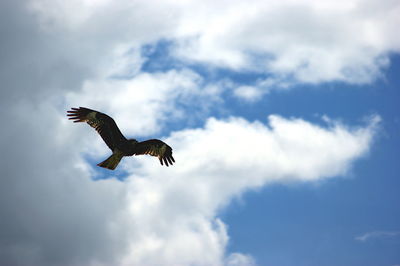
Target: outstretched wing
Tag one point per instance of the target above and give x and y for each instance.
(104, 125)
(155, 147)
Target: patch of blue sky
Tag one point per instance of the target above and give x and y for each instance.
(158, 57)
(339, 100)
(316, 224)
(307, 225)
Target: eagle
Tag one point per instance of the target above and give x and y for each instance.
(118, 144)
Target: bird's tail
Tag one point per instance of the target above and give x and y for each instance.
(112, 161)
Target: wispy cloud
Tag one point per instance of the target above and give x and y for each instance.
(377, 234)
(248, 93)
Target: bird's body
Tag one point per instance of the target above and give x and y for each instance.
(116, 141)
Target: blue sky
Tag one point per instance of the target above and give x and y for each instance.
(318, 224)
(283, 118)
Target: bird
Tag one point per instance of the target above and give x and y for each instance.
(116, 141)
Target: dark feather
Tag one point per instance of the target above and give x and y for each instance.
(157, 148)
(104, 125)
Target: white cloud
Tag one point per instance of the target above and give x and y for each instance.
(54, 214)
(237, 259)
(303, 40)
(158, 215)
(309, 41)
(261, 87)
(248, 93)
(377, 234)
(216, 164)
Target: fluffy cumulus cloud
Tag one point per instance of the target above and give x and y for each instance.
(157, 215)
(215, 164)
(217, 159)
(305, 40)
(58, 54)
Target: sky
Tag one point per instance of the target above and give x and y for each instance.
(283, 117)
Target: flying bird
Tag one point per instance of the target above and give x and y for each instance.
(119, 145)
